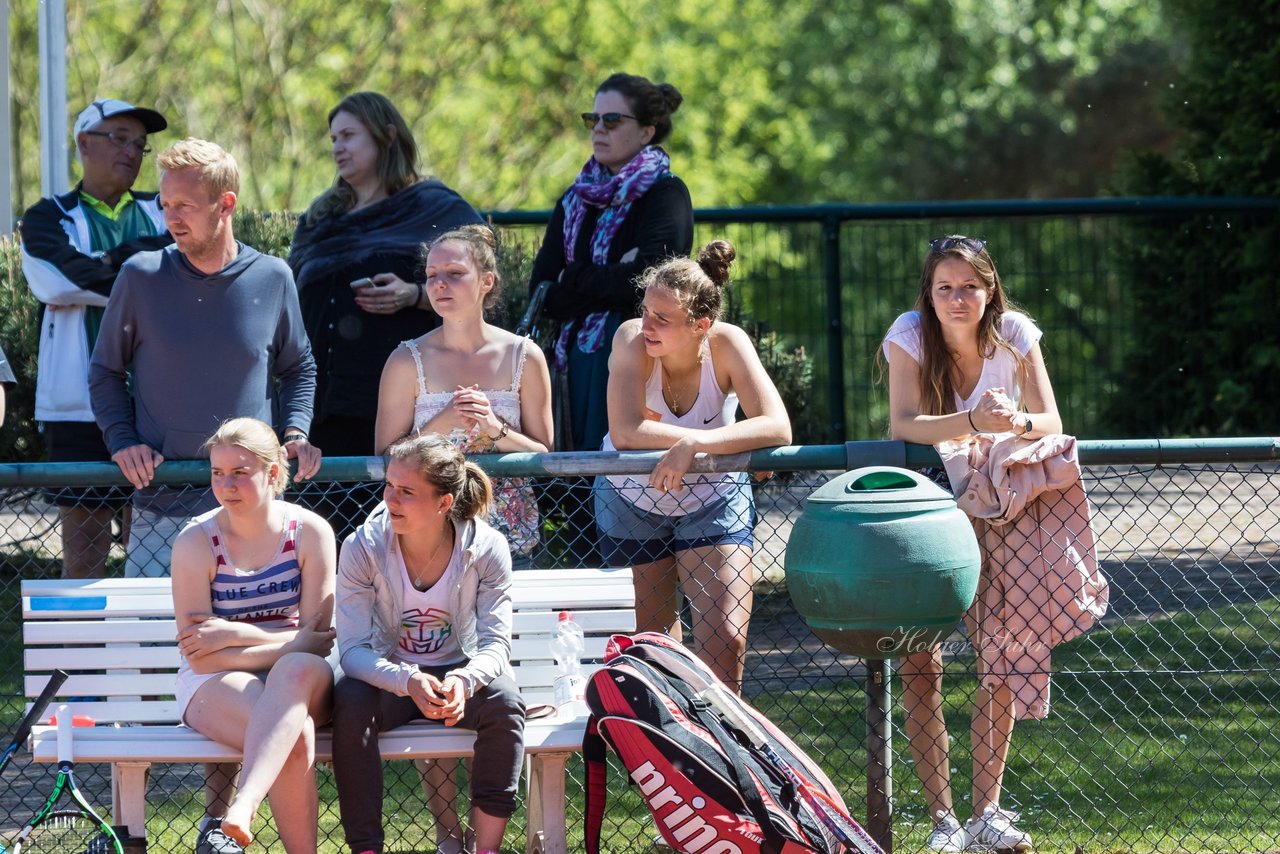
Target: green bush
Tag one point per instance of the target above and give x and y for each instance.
(790, 368)
(1208, 363)
(268, 232)
(20, 332)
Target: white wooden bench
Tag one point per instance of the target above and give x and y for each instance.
(115, 637)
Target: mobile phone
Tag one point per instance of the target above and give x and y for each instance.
(366, 282)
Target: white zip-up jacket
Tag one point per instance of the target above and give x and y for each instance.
(66, 278)
(370, 604)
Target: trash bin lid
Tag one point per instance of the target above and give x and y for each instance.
(882, 489)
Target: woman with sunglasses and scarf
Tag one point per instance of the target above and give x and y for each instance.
(624, 213)
(963, 362)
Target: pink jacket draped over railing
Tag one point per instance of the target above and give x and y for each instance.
(1040, 582)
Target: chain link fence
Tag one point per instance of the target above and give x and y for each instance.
(1164, 733)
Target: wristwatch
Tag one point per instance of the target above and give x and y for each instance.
(295, 436)
(1026, 426)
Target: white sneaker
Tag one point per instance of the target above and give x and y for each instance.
(948, 835)
(994, 830)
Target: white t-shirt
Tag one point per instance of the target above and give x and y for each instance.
(1000, 371)
(427, 636)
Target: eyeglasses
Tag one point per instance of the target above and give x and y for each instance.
(138, 145)
(945, 244)
(611, 120)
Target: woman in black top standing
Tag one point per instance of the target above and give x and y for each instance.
(624, 213)
(357, 259)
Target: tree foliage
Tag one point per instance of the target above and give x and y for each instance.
(849, 100)
(1208, 362)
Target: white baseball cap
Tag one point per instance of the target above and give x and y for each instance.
(97, 112)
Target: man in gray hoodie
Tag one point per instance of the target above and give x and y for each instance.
(208, 328)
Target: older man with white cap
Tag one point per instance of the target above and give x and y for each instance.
(72, 248)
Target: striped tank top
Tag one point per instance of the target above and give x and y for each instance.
(270, 593)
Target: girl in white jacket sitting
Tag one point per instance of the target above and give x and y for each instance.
(424, 628)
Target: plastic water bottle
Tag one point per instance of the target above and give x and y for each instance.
(568, 645)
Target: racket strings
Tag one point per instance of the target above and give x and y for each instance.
(65, 832)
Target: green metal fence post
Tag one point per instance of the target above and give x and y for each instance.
(879, 755)
(835, 325)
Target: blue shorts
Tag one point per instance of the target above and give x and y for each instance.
(629, 536)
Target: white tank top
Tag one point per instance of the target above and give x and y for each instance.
(712, 408)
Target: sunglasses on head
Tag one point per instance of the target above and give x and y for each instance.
(945, 244)
(611, 120)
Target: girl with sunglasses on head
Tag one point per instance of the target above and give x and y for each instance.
(963, 362)
(625, 212)
(676, 379)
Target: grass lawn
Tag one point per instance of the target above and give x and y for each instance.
(1166, 759)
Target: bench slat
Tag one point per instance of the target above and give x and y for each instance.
(536, 624)
(180, 744)
(130, 657)
(610, 620)
(158, 587)
(99, 631)
(167, 657)
(120, 710)
(77, 607)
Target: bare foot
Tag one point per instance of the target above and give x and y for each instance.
(237, 827)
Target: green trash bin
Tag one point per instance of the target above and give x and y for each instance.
(882, 563)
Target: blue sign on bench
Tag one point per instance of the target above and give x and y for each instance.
(68, 603)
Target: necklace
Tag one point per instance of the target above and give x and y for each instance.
(418, 583)
(673, 400)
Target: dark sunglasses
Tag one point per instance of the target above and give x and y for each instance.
(945, 244)
(611, 120)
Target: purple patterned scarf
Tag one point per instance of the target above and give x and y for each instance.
(598, 187)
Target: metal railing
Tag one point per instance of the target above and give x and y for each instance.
(1165, 730)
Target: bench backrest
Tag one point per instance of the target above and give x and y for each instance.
(115, 637)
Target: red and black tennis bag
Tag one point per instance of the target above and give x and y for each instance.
(708, 792)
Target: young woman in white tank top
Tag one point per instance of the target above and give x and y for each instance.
(485, 390)
(676, 377)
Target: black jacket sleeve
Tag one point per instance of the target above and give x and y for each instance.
(549, 262)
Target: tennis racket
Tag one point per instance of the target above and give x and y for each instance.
(75, 829)
(37, 710)
(839, 822)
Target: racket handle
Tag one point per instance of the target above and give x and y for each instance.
(727, 706)
(63, 715)
(37, 708)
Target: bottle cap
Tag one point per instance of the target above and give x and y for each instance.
(565, 616)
